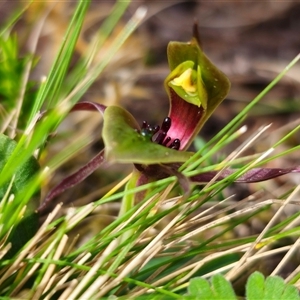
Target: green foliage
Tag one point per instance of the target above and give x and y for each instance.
(55, 86)
(273, 287)
(23, 231)
(11, 69)
(50, 90)
(25, 227)
(219, 288)
(24, 173)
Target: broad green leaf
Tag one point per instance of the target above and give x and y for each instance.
(272, 287)
(124, 143)
(255, 286)
(200, 288)
(26, 228)
(222, 287)
(22, 233)
(290, 292)
(24, 172)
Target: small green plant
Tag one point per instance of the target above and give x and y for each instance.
(272, 287)
(258, 287)
(217, 289)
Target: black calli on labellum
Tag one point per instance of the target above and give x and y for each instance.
(158, 134)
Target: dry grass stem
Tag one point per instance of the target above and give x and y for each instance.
(69, 271)
(67, 292)
(30, 246)
(7, 120)
(74, 217)
(249, 260)
(286, 258)
(50, 271)
(224, 220)
(92, 272)
(238, 268)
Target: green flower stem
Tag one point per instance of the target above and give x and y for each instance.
(128, 202)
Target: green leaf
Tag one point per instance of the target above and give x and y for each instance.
(124, 143)
(23, 173)
(274, 287)
(222, 287)
(271, 288)
(219, 289)
(11, 70)
(27, 226)
(255, 286)
(22, 233)
(200, 288)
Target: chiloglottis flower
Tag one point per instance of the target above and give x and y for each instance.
(195, 87)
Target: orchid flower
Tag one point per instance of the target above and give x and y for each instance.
(195, 88)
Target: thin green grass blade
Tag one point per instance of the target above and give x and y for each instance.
(14, 18)
(81, 68)
(95, 71)
(51, 88)
(255, 100)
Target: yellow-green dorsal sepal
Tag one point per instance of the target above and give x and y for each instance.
(211, 84)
